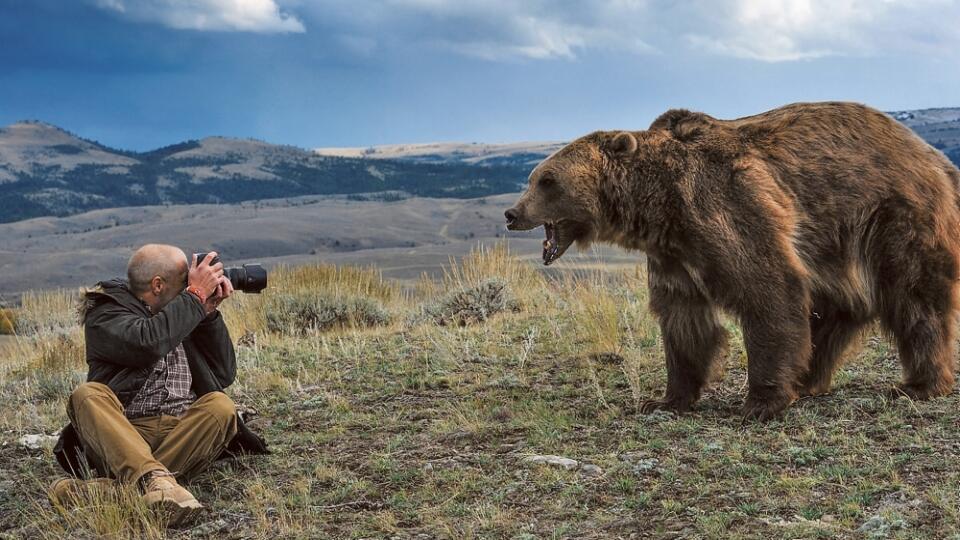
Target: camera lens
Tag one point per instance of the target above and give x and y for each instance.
(249, 278)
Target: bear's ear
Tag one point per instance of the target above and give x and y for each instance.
(622, 143)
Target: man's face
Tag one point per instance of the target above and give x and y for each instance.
(170, 289)
(178, 285)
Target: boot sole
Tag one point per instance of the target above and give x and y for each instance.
(177, 514)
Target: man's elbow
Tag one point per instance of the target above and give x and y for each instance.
(230, 371)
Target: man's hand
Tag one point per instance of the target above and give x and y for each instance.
(224, 290)
(205, 277)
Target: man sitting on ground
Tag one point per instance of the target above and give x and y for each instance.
(152, 411)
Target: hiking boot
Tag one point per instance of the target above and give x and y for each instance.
(72, 492)
(161, 491)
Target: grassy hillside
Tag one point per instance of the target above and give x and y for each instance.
(47, 171)
(402, 238)
(418, 412)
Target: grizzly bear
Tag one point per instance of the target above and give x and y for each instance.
(806, 223)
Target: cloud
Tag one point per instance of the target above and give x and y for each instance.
(777, 30)
(261, 16)
(566, 30)
(493, 30)
(532, 38)
(787, 30)
(762, 30)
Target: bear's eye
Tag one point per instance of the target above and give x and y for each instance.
(547, 181)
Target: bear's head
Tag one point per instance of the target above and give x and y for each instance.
(563, 191)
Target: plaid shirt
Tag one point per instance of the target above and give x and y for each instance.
(167, 389)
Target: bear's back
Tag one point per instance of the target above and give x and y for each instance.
(844, 148)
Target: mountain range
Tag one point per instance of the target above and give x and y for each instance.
(524, 154)
(48, 171)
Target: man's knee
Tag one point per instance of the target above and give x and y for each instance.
(88, 390)
(221, 407)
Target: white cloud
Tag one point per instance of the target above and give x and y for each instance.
(763, 30)
(538, 39)
(263, 16)
(493, 29)
(116, 5)
(785, 30)
(496, 30)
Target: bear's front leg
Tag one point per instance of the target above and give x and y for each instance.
(693, 337)
(777, 340)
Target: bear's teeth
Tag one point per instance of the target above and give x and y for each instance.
(550, 246)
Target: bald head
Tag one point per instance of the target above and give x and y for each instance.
(156, 260)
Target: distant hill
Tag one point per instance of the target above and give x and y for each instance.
(939, 127)
(48, 171)
(526, 154)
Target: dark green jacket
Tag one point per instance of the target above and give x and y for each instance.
(124, 340)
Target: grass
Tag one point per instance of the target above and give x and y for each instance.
(412, 429)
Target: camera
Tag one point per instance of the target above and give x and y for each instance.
(249, 278)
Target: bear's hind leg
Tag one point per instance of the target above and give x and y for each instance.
(831, 332)
(924, 339)
(693, 338)
(918, 306)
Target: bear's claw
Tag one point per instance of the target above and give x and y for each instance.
(677, 406)
(764, 410)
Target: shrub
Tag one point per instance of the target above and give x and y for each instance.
(472, 305)
(312, 312)
(336, 284)
(56, 386)
(483, 264)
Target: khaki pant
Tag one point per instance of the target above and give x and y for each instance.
(128, 449)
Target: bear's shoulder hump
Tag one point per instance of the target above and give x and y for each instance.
(681, 123)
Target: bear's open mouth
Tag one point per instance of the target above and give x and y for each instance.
(554, 245)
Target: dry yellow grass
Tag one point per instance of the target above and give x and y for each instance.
(53, 310)
(485, 263)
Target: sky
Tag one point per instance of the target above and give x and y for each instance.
(140, 74)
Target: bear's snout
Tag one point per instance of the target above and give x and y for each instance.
(512, 215)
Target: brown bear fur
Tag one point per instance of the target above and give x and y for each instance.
(806, 222)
